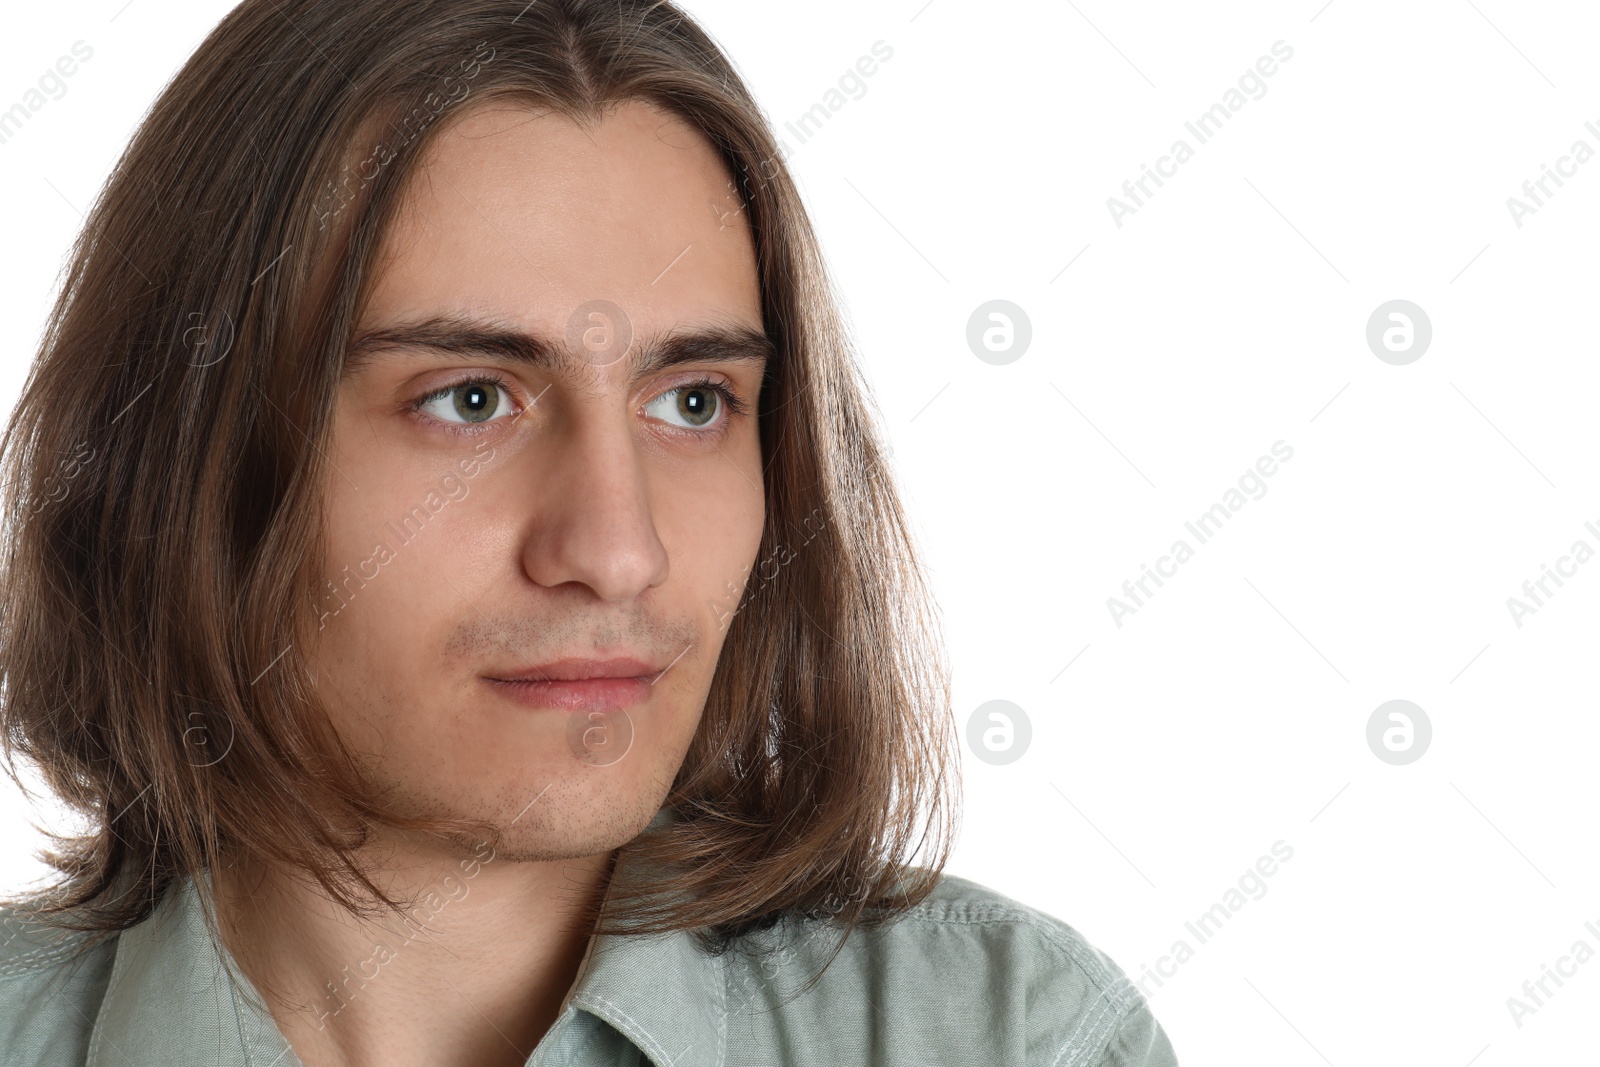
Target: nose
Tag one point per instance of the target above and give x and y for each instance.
(592, 521)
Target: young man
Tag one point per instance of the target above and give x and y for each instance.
(475, 616)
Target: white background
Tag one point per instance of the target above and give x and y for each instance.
(1228, 313)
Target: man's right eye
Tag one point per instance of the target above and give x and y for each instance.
(467, 402)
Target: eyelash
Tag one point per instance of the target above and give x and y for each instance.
(725, 396)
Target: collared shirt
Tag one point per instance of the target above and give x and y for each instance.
(966, 977)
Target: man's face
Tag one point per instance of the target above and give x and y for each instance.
(477, 531)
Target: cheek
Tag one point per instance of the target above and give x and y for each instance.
(395, 537)
(354, 535)
(712, 532)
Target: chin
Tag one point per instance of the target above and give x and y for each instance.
(590, 810)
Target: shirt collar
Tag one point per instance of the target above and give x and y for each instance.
(663, 993)
(170, 999)
(176, 997)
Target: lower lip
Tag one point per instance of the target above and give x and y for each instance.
(590, 694)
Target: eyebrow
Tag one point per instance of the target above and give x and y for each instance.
(467, 338)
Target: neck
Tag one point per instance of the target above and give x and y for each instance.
(473, 973)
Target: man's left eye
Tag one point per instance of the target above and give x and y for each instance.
(698, 404)
(467, 402)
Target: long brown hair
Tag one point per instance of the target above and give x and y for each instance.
(164, 469)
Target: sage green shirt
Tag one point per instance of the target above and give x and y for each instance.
(968, 977)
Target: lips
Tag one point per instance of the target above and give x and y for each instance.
(577, 670)
(579, 685)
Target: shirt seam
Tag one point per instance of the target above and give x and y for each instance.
(238, 1015)
(639, 1034)
(113, 983)
(1092, 1044)
(1077, 950)
(33, 962)
(39, 957)
(1094, 1030)
(722, 1013)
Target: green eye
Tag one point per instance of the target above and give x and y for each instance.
(474, 401)
(696, 404)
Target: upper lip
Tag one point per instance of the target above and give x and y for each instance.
(574, 669)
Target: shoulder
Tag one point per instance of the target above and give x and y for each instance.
(51, 983)
(1080, 1002)
(975, 971)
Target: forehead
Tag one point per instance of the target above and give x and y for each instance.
(527, 215)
